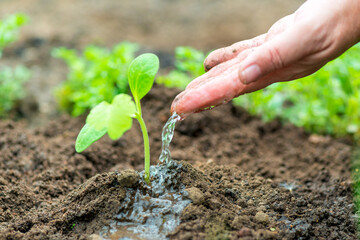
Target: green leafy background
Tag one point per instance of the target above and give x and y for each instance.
(99, 74)
(11, 79)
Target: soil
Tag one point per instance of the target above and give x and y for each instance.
(251, 180)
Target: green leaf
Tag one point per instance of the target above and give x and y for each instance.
(115, 118)
(141, 74)
(122, 111)
(87, 136)
(98, 117)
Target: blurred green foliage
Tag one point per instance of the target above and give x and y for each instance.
(11, 80)
(188, 65)
(325, 102)
(9, 29)
(97, 75)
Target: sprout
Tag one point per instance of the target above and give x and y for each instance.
(116, 118)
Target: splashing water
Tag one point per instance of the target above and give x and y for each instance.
(167, 136)
(152, 212)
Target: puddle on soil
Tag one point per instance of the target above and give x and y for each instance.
(151, 212)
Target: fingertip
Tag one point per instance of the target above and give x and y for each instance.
(175, 103)
(216, 57)
(207, 67)
(250, 74)
(209, 62)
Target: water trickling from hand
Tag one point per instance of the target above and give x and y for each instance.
(167, 136)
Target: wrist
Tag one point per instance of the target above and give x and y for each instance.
(345, 25)
(352, 16)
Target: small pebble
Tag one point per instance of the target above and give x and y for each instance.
(128, 178)
(94, 237)
(244, 232)
(196, 196)
(250, 202)
(262, 217)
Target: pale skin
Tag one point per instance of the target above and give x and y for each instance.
(294, 47)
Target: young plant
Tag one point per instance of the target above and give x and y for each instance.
(115, 118)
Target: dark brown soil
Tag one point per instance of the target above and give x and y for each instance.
(239, 165)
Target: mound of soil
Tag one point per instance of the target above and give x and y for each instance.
(247, 179)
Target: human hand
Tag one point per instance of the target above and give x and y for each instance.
(295, 46)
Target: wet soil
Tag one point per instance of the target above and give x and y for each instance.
(247, 179)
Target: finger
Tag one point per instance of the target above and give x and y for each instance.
(224, 54)
(287, 74)
(223, 88)
(275, 54)
(219, 90)
(280, 26)
(223, 68)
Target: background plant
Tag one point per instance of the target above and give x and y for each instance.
(188, 65)
(11, 79)
(9, 29)
(97, 75)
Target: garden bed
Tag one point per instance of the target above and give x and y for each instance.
(251, 179)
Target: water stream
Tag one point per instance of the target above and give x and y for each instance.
(166, 137)
(151, 212)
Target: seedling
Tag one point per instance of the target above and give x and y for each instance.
(116, 118)
(72, 226)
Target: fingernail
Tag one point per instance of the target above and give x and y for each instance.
(207, 67)
(176, 102)
(250, 74)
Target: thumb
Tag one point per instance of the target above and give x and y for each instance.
(273, 55)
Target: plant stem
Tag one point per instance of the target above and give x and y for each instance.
(146, 143)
